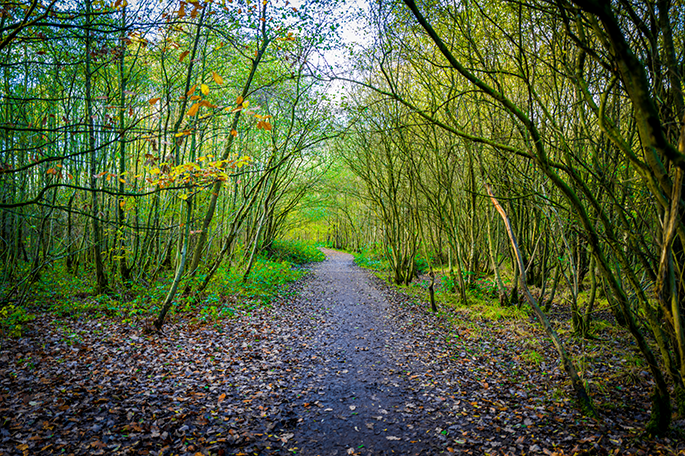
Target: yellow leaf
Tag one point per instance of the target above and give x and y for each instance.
(193, 109)
(183, 196)
(195, 97)
(218, 79)
(122, 203)
(234, 133)
(191, 91)
(246, 103)
(239, 101)
(204, 88)
(122, 180)
(153, 101)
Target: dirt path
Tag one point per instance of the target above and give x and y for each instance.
(364, 404)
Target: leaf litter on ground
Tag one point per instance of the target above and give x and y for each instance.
(351, 366)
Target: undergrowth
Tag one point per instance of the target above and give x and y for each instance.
(481, 294)
(66, 295)
(296, 252)
(371, 258)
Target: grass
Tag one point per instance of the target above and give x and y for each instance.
(481, 296)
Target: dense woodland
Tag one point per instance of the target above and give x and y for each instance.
(154, 152)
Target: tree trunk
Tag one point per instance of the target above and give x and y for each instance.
(102, 285)
(583, 398)
(168, 301)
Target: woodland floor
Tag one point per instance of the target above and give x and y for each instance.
(348, 367)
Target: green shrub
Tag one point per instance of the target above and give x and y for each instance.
(371, 258)
(421, 265)
(13, 320)
(266, 281)
(295, 252)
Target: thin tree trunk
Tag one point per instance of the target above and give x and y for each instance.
(216, 188)
(583, 398)
(120, 239)
(168, 301)
(102, 285)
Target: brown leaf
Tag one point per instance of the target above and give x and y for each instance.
(218, 79)
(193, 109)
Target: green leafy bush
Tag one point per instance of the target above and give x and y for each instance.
(371, 258)
(295, 252)
(266, 281)
(421, 265)
(13, 320)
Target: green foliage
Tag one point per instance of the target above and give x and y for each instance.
(296, 252)
(481, 287)
(57, 284)
(371, 257)
(267, 280)
(532, 357)
(66, 296)
(421, 265)
(482, 301)
(213, 310)
(13, 320)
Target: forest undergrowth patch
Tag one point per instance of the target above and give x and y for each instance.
(71, 295)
